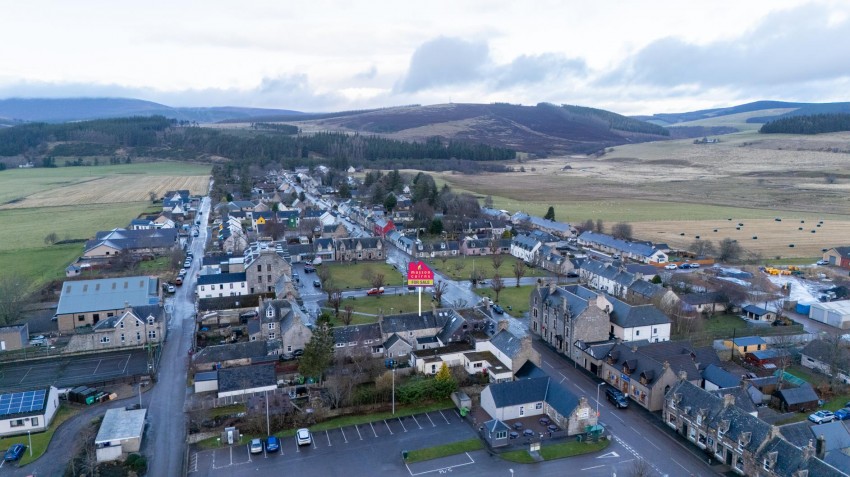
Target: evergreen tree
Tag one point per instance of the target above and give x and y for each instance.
(550, 214)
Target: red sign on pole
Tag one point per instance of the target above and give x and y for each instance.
(419, 275)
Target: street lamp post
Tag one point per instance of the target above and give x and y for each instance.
(268, 427)
(393, 389)
(29, 436)
(597, 398)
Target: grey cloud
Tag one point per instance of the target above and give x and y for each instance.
(787, 47)
(528, 69)
(445, 61)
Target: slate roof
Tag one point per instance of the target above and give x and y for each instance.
(648, 360)
(246, 377)
(219, 278)
(529, 370)
(700, 298)
(790, 459)
(359, 333)
(720, 377)
(229, 302)
(351, 243)
(631, 316)
(138, 312)
(507, 343)
(455, 323)
(576, 297)
(843, 251)
(531, 390)
(228, 352)
(525, 242)
(122, 239)
(413, 322)
(799, 395)
(609, 272)
(394, 340)
(756, 310)
(837, 436)
(206, 376)
(496, 425)
(742, 397)
(646, 289)
(822, 351)
(107, 294)
(749, 341)
(634, 248)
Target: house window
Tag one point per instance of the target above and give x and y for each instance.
(81, 317)
(202, 288)
(352, 343)
(655, 331)
(231, 286)
(340, 345)
(272, 336)
(122, 337)
(34, 421)
(96, 316)
(288, 348)
(259, 268)
(16, 423)
(502, 435)
(766, 464)
(538, 405)
(477, 365)
(259, 279)
(138, 336)
(121, 325)
(104, 339)
(271, 326)
(637, 332)
(137, 323)
(110, 314)
(269, 278)
(152, 334)
(150, 320)
(522, 410)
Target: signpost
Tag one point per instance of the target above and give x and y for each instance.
(420, 276)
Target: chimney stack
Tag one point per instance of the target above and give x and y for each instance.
(551, 288)
(728, 400)
(503, 325)
(820, 447)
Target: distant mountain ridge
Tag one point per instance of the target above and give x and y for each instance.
(15, 110)
(799, 109)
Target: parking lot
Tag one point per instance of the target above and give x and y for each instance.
(366, 449)
(73, 371)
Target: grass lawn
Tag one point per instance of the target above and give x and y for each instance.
(444, 450)
(40, 440)
(391, 304)
(227, 410)
(482, 265)
(350, 276)
(152, 267)
(556, 451)
(40, 265)
(724, 323)
(510, 296)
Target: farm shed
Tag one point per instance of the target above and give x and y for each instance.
(120, 433)
(836, 313)
(799, 399)
(838, 256)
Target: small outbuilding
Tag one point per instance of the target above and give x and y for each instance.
(206, 381)
(752, 312)
(836, 313)
(246, 380)
(120, 434)
(496, 433)
(799, 399)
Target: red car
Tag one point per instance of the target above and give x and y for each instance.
(376, 291)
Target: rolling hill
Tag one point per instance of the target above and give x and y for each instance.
(757, 112)
(15, 110)
(542, 129)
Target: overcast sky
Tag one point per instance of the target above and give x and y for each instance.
(632, 57)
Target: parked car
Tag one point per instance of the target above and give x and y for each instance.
(256, 446)
(822, 417)
(822, 262)
(38, 341)
(309, 269)
(376, 291)
(302, 437)
(695, 265)
(498, 309)
(842, 414)
(317, 283)
(670, 266)
(272, 444)
(170, 288)
(178, 281)
(298, 352)
(15, 452)
(617, 398)
(684, 266)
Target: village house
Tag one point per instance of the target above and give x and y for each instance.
(606, 277)
(736, 438)
(358, 340)
(27, 411)
(84, 303)
(838, 257)
(283, 322)
(138, 243)
(638, 251)
(525, 248)
(267, 271)
(563, 316)
(638, 322)
(355, 249)
(221, 284)
(134, 327)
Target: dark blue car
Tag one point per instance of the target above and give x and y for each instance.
(842, 414)
(272, 444)
(15, 452)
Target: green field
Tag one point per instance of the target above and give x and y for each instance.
(351, 276)
(391, 304)
(482, 265)
(514, 300)
(69, 208)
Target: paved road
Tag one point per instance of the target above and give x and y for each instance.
(165, 443)
(634, 428)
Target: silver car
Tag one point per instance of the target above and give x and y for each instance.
(302, 436)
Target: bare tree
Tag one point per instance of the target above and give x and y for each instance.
(443, 260)
(347, 315)
(439, 289)
(152, 196)
(334, 297)
(51, 238)
(599, 227)
(786, 345)
(368, 273)
(459, 265)
(497, 259)
(14, 295)
(622, 230)
(702, 248)
(377, 280)
(729, 250)
(586, 226)
(519, 270)
(497, 285)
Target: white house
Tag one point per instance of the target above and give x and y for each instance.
(641, 322)
(27, 411)
(222, 284)
(525, 248)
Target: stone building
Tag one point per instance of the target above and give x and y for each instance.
(563, 316)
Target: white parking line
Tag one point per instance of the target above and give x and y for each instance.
(98, 365)
(358, 432)
(328, 435)
(402, 424)
(442, 470)
(432, 422)
(297, 447)
(417, 422)
(444, 417)
(388, 427)
(343, 435)
(373, 429)
(458, 415)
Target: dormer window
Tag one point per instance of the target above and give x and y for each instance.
(270, 312)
